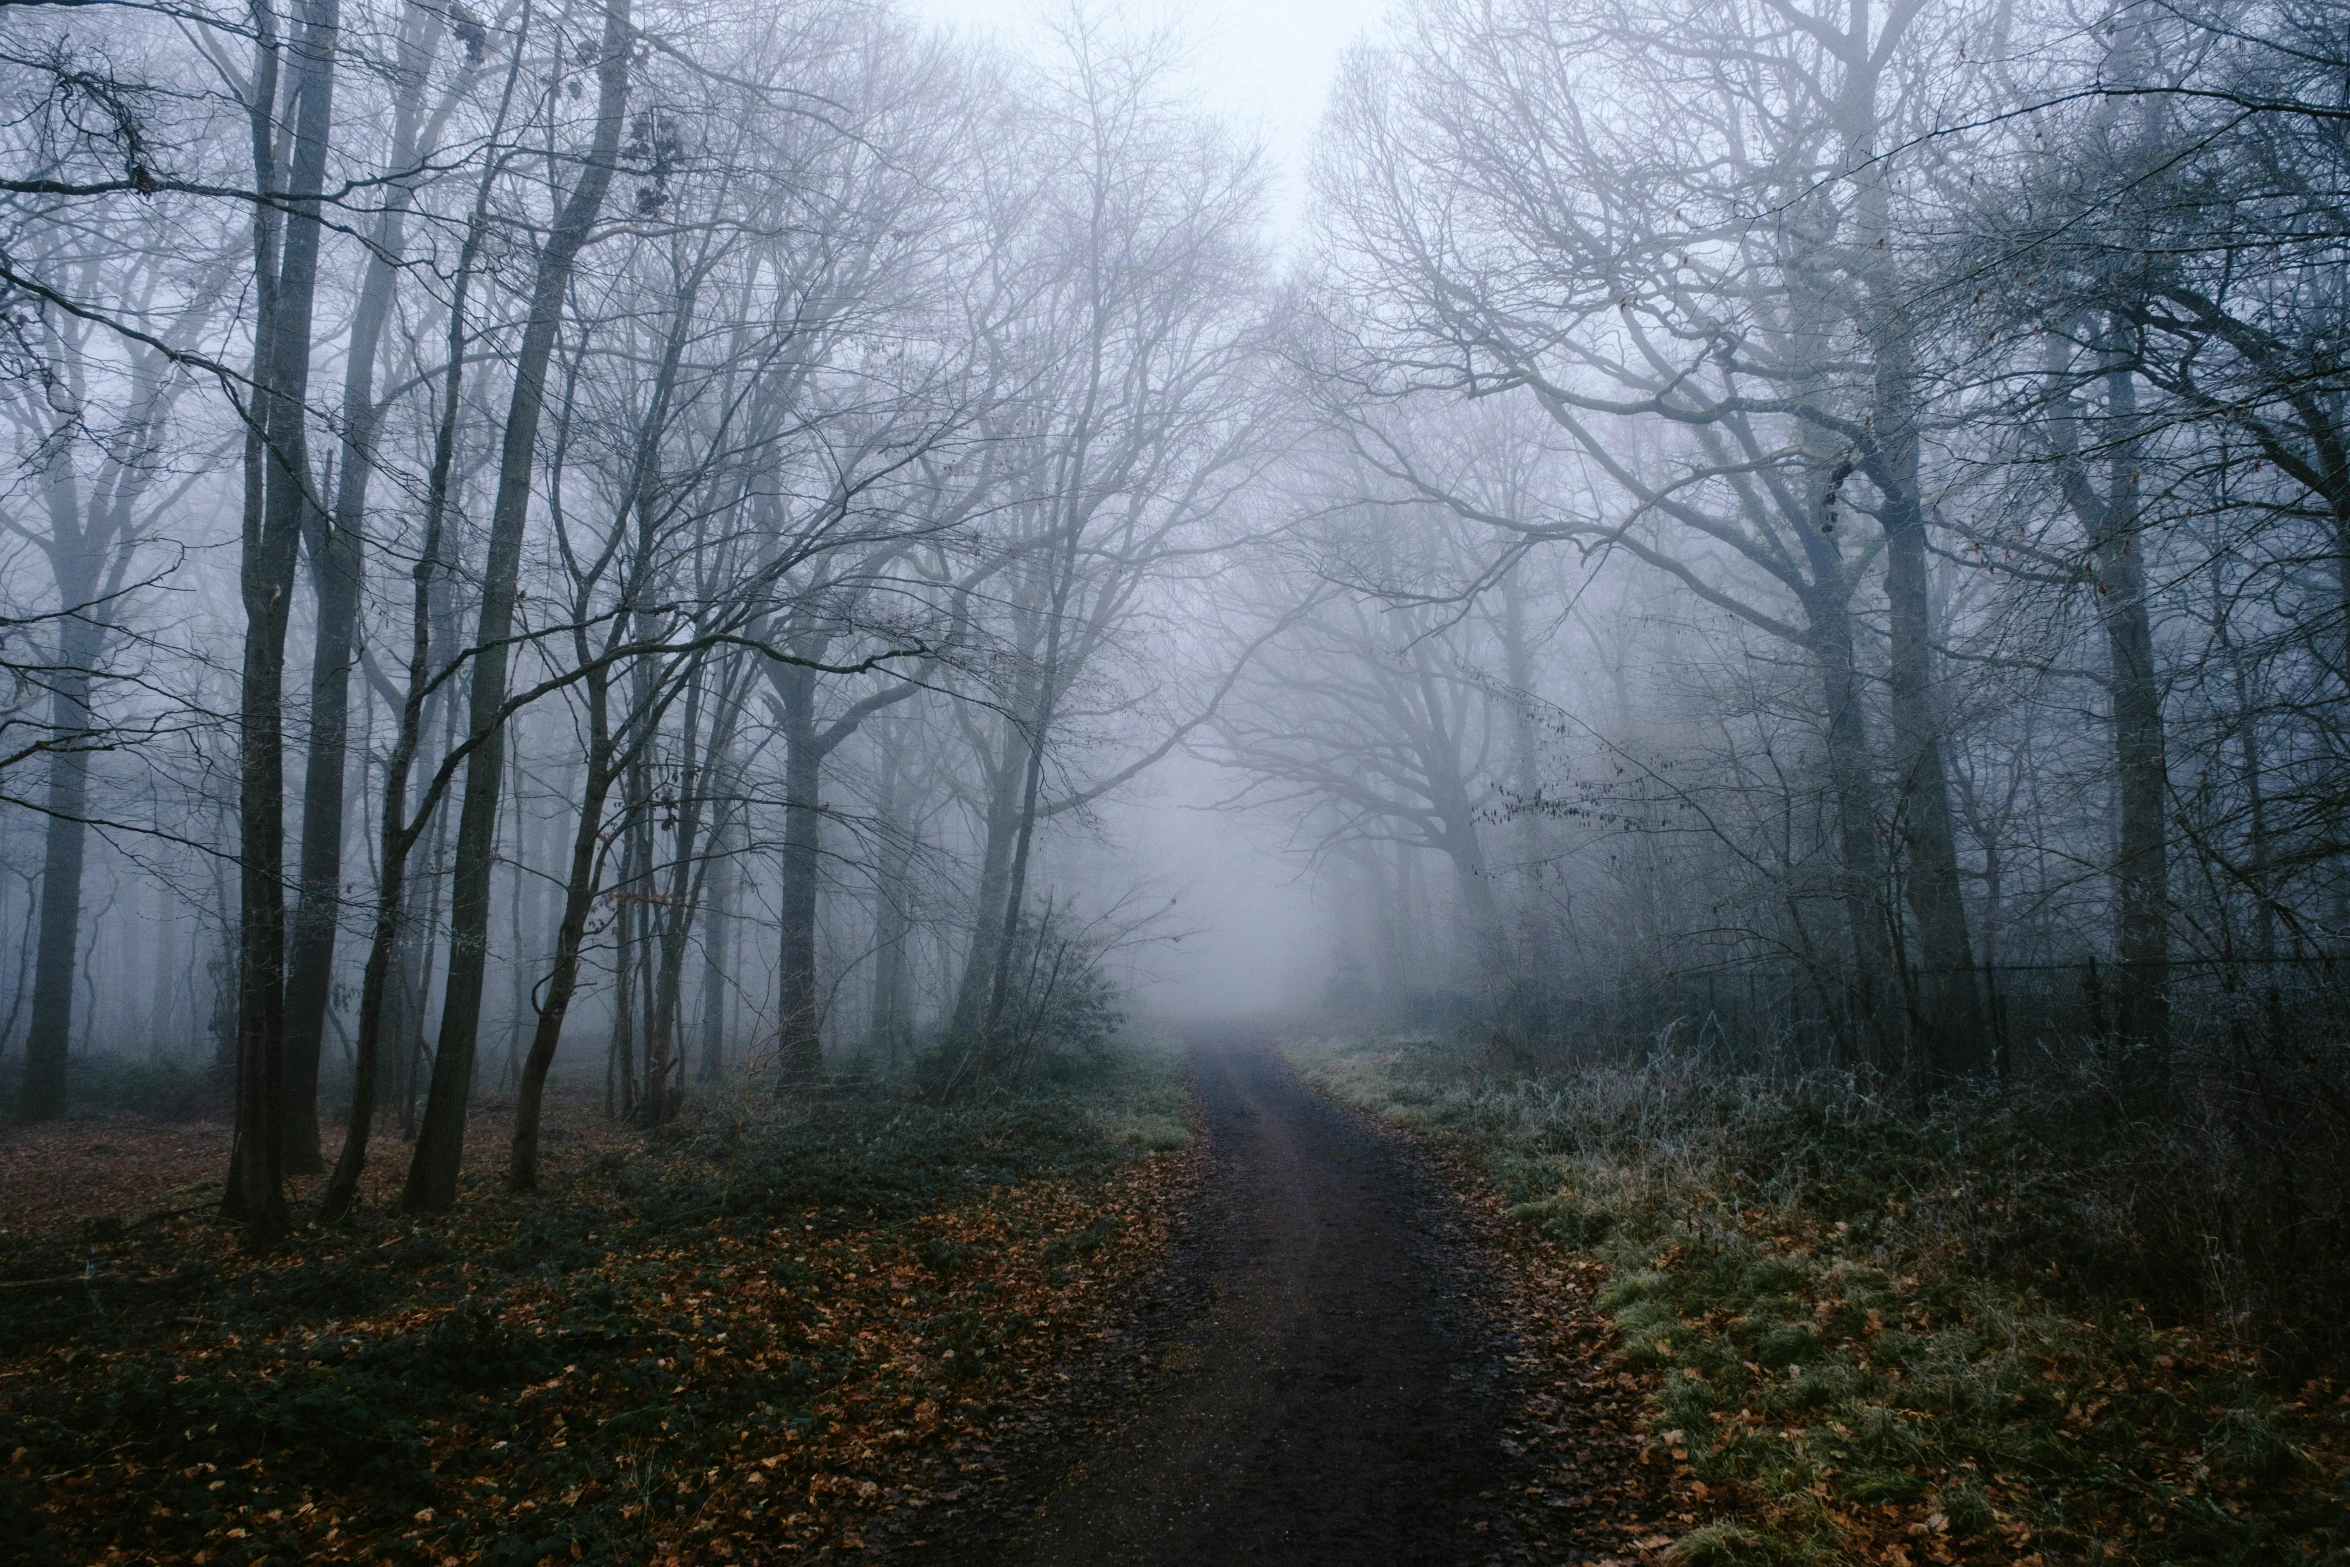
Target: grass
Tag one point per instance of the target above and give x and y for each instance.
(1874, 1335)
(742, 1337)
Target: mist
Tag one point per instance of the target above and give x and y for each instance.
(579, 577)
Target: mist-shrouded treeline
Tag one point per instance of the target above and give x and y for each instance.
(1854, 497)
(585, 521)
(642, 542)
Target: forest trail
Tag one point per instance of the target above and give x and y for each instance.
(1339, 1398)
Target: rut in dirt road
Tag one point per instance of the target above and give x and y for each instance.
(1340, 1398)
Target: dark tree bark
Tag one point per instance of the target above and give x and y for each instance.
(1004, 772)
(395, 923)
(800, 1043)
(723, 775)
(311, 937)
(440, 1144)
(337, 553)
(712, 710)
(94, 532)
(1536, 949)
(806, 745)
(1845, 742)
(984, 1048)
(717, 935)
(2111, 520)
(887, 1020)
(255, 1188)
(670, 918)
(579, 898)
(519, 928)
(2141, 766)
(620, 1082)
(49, 1032)
(1949, 1023)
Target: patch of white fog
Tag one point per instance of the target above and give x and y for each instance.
(1265, 67)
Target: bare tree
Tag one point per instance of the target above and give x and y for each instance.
(440, 1142)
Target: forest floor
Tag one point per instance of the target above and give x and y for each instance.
(1373, 1302)
(1166, 1314)
(763, 1338)
(1851, 1338)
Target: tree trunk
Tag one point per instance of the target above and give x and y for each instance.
(338, 558)
(1463, 846)
(1537, 959)
(579, 901)
(395, 921)
(687, 876)
(717, 930)
(311, 940)
(886, 1020)
(49, 1033)
(255, 1187)
(440, 1146)
(628, 935)
(1860, 852)
(664, 1042)
(620, 1060)
(986, 1049)
(800, 1043)
(1951, 1014)
(519, 925)
(1475, 880)
(995, 874)
(2141, 871)
(1047, 680)
(2111, 521)
(1949, 1019)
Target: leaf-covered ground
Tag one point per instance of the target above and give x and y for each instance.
(740, 1342)
(1832, 1367)
(1590, 1493)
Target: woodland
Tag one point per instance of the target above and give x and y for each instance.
(591, 591)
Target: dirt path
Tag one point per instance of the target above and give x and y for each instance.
(1339, 1397)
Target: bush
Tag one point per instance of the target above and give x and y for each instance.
(1061, 1019)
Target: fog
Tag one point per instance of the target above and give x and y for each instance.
(1264, 69)
(621, 552)
(1253, 940)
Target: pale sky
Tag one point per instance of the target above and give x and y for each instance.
(1267, 65)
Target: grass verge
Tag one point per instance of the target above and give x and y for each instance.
(1861, 1341)
(738, 1341)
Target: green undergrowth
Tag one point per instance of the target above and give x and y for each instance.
(577, 1374)
(1882, 1335)
(875, 1154)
